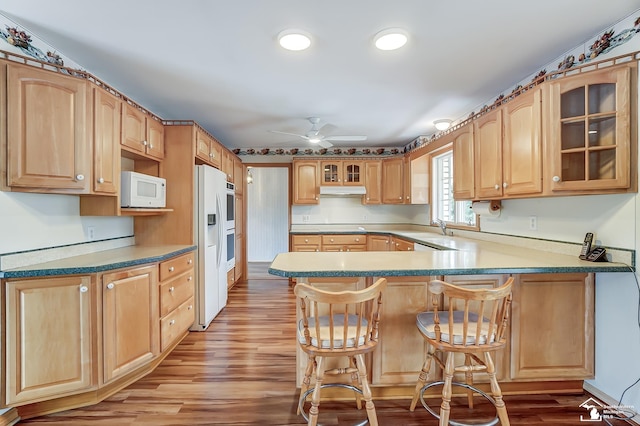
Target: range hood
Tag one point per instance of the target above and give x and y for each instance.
(343, 190)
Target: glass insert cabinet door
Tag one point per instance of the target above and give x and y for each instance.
(590, 130)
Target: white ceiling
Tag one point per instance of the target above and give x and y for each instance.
(217, 61)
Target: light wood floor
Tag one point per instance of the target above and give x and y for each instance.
(240, 372)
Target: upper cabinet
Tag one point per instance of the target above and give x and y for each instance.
(238, 175)
(106, 142)
(373, 182)
(227, 164)
(487, 135)
(306, 182)
(590, 130)
(48, 142)
(142, 134)
(416, 174)
(393, 181)
(208, 149)
(463, 163)
(342, 172)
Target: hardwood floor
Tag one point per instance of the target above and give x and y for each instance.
(241, 372)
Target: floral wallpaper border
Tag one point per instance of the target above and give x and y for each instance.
(22, 43)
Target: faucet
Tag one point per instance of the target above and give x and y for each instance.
(442, 224)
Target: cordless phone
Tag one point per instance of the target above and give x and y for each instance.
(586, 246)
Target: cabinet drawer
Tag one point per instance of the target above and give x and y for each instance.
(175, 291)
(172, 267)
(176, 323)
(344, 239)
(306, 240)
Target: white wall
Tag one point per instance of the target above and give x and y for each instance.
(33, 221)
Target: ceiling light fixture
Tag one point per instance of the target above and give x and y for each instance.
(391, 39)
(294, 39)
(442, 124)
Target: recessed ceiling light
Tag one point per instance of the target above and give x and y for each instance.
(442, 124)
(391, 39)
(294, 39)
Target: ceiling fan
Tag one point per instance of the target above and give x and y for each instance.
(314, 135)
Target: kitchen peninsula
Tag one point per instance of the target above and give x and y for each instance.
(551, 338)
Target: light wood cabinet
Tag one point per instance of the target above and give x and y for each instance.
(48, 142)
(106, 142)
(402, 349)
(342, 172)
(344, 242)
(130, 320)
(399, 244)
(378, 242)
(372, 182)
(393, 181)
(306, 242)
(227, 164)
(590, 130)
(176, 290)
(463, 163)
(417, 179)
(50, 337)
(207, 149)
(306, 182)
(552, 326)
(487, 135)
(141, 133)
(238, 175)
(239, 266)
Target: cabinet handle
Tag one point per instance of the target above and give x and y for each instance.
(171, 289)
(306, 240)
(79, 177)
(357, 240)
(172, 322)
(211, 155)
(101, 180)
(316, 198)
(150, 146)
(190, 278)
(497, 186)
(84, 289)
(110, 286)
(317, 249)
(190, 307)
(556, 179)
(367, 198)
(171, 268)
(505, 184)
(189, 262)
(331, 240)
(145, 143)
(399, 198)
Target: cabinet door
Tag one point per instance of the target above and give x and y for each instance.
(47, 130)
(418, 179)
(398, 244)
(590, 130)
(215, 151)
(238, 175)
(353, 173)
(134, 129)
(155, 139)
(373, 182)
(203, 144)
(463, 163)
(522, 150)
(227, 164)
(306, 242)
(403, 299)
(239, 217)
(49, 340)
(393, 181)
(106, 142)
(306, 182)
(331, 172)
(378, 242)
(487, 134)
(552, 327)
(130, 320)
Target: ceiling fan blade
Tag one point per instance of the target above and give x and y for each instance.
(290, 134)
(323, 143)
(346, 138)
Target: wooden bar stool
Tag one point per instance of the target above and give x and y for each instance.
(473, 322)
(338, 324)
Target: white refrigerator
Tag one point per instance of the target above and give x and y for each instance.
(211, 260)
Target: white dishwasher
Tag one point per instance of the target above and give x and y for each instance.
(422, 247)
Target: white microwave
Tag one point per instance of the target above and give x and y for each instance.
(140, 190)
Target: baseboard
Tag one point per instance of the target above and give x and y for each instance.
(9, 417)
(612, 402)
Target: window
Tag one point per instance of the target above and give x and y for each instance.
(443, 206)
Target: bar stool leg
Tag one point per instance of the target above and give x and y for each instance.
(422, 378)
(355, 380)
(468, 376)
(366, 391)
(495, 390)
(315, 397)
(306, 381)
(445, 408)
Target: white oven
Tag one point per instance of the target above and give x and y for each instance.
(231, 248)
(230, 220)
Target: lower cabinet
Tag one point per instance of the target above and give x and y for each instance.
(50, 333)
(129, 320)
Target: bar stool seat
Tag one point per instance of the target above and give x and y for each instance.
(338, 324)
(472, 322)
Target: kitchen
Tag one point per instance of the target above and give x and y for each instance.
(55, 218)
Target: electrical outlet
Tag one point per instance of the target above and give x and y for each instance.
(306, 218)
(91, 232)
(533, 223)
